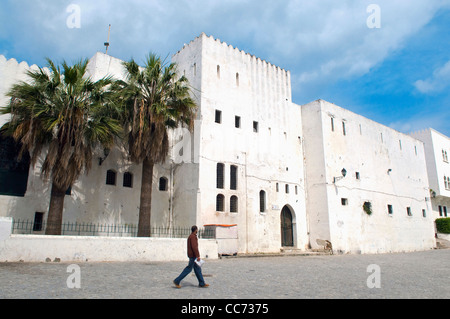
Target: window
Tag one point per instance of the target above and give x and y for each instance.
(390, 210)
(287, 189)
(446, 182)
(218, 118)
(415, 150)
(233, 204)
(440, 211)
(128, 180)
(344, 201)
(13, 173)
(358, 176)
(111, 177)
(444, 156)
(233, 177)
(367, 207)
(218, 71)
(344, 131)
(237, 79)
(408, 211)
(255, 126)
(296, 190)
(262, 201)
(424, 213)
(277, 187)
(163, 183)
(220, 200)
(445, 211)
(38, 219)
(220, 175)
(195, 69)
(332, 124)
(400, 144)
(237, 121)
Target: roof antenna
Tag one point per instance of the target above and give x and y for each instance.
(107, 43)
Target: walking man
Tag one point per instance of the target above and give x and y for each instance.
(193, 254)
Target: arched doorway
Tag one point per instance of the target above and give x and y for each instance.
(287, 231)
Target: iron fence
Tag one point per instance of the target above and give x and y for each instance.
(27, 227)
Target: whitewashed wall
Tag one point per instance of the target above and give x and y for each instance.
(392, 171)
(67, 249)
(262, 93)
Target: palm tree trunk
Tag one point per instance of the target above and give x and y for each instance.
(145, 207)
(55, 211)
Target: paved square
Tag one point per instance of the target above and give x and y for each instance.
(409, 275)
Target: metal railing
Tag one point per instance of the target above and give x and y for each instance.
(27, 227)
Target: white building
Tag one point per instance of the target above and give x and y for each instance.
(437, 153)
(384, 171)
(259, 162)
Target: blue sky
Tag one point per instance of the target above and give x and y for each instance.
(397, 75)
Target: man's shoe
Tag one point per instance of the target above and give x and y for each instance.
(176, 285)
(205, 286)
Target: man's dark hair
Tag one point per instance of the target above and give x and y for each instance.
(194, 228)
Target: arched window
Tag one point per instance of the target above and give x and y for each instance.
(220, 203)
(128, 180)
(262, 201)
(234, 204)
(111, 177)
(163, 184)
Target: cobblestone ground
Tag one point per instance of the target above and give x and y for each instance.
(412, 275)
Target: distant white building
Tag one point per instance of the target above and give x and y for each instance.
(256, 161)
(437, 153)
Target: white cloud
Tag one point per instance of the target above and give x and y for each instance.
(439, 81)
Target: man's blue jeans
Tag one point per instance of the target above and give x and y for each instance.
(187, 271)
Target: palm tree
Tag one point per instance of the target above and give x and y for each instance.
(154, 100)
(68, 115)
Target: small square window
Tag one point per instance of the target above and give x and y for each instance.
(390, 210)
(255, 126)
(408, 211)
(218, 118)
(344, 201)
(237, 121)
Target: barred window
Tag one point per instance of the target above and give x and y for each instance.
(111, 177)
(234, 204)
(128, 180)
(220, 175)
(220, 201)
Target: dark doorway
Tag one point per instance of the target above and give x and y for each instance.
(287, 234)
